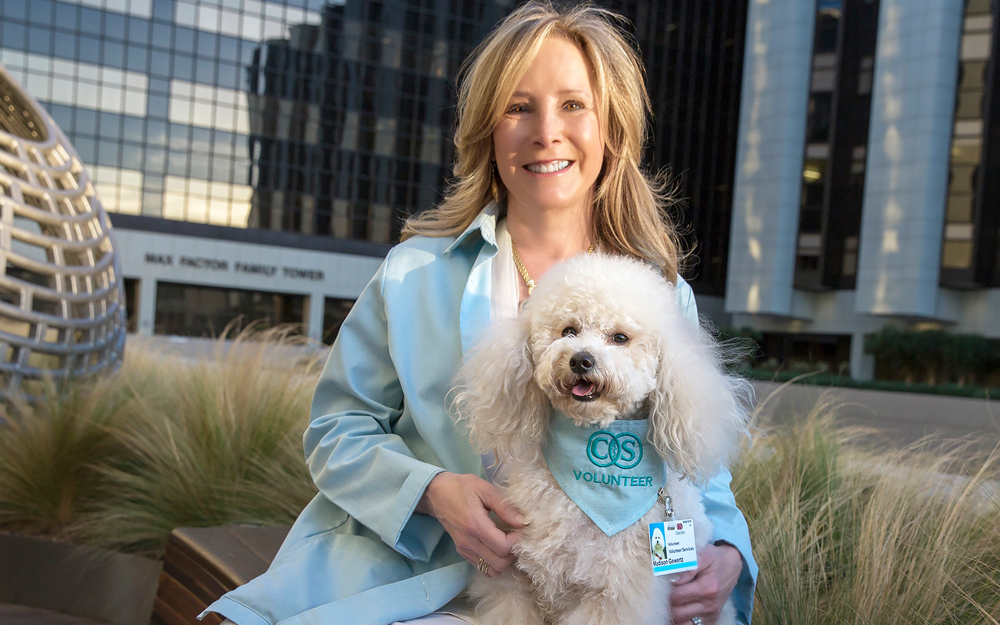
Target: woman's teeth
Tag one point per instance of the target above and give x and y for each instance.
(547, 168)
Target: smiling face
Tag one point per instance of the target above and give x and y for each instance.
(548, 145)
(595, 337)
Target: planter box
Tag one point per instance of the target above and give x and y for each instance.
(111, 587)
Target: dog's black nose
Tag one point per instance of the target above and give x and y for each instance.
(581, 363)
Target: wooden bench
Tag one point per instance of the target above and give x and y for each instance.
(202, 564)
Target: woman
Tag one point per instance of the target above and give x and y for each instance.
(551, 126)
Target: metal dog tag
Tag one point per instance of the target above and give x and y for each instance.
(671, 546)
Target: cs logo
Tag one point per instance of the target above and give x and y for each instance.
(605, 449)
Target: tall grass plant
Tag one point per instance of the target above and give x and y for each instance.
(166, 442)
(848, 531)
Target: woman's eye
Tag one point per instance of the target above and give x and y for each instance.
(516, 108)
(620, 338)
(569, 331)
(574, 106)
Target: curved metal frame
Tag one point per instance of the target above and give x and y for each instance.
(65, 316)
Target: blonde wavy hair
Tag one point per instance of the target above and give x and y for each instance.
(629, 206)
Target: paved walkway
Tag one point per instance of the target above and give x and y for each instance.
(902, 417)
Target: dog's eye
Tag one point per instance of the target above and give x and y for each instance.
(569, 331)
(620, 338)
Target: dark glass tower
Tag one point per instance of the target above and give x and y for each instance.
(351, 119)
(693, 54)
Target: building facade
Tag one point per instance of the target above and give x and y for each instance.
(260, 156)
(865, 172)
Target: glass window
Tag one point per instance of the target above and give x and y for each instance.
(109, 153)
(956, 254)
(183, 39)
(159, 63)
(959, 208)
(40, 40)
(163, 35)
(177, 163)
(13, 35)
(152, 204)
(156, 160)
(208, 44)
(62, 116)
(90, 21)
(133, 128)
(205, 71)
(114, 54)
(179, 137)
(90, 49)
(229, 49)
(183, 67)
(334, 312)
(189, 310)
(156, 132)
(966, 151)
(820, 114)
(87, 96)
(15, 9)
(138, 30)
(132, 154)
(962, 179)
(114, 25)
(41, 12)
(969, 105)
(158, 106)
(163, 10)
(973, 75)
(137, 58)
(976, 47)
(201, 140)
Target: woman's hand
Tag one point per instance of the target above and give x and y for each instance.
(704, 591)
(462, 503)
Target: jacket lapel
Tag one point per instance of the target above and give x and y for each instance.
(475, 311)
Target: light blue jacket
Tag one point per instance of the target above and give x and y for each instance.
(379, 432)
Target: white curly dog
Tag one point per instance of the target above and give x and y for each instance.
(602, 338)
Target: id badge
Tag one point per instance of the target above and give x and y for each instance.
(671, 547)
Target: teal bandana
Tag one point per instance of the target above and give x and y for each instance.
(605, 471)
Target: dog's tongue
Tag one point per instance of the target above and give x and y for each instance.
(583, 389)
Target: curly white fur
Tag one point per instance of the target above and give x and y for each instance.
(667, 370)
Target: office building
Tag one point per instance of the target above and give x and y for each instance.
(259, 156)
(867, 161)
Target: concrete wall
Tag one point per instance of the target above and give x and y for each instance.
(769, 156)
(913, 103)
(152, 257)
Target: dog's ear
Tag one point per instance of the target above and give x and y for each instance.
(699, 414)
(498, 398)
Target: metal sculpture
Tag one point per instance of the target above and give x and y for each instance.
(62, 312)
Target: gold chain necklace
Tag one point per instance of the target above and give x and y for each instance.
(524, 272)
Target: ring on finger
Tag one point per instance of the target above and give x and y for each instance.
(484, 567)
(696, 620)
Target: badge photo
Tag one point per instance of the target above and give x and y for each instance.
(671, 547)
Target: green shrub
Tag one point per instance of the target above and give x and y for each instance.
(933, 357)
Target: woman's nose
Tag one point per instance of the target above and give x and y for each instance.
(549, 127)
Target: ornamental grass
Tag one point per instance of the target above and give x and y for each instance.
(165, 442)
(844, 531)
(850, 531)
